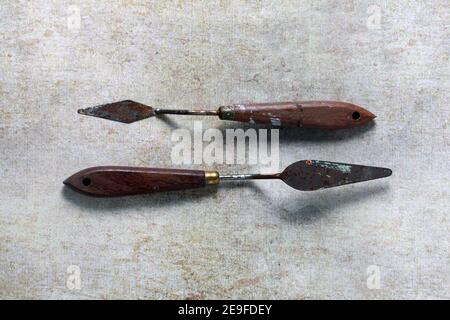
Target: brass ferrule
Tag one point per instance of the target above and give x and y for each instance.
(212, 177)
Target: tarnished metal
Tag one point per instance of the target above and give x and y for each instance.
(226, 113)
(126, 111)
(307, 175)
(129, 111)
(187, 112)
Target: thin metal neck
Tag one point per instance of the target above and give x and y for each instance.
(249, 176)
(187, 112)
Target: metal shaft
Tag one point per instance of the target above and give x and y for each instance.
(249, 176)
(187, 112)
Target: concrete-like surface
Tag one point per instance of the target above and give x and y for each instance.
(260, 240)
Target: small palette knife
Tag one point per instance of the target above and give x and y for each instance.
(308, 114)
(305, 175)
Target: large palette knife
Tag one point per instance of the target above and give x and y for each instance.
(305, 175)
(308, 114)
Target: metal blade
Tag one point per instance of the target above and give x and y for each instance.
(126, 111)
(310, 175)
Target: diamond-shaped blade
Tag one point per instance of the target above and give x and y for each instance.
(310, 175)
(126, 111)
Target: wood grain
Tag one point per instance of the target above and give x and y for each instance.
(113, 181)
(329, 115)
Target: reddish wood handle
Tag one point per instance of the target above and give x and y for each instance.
(112, 181)
(309, 114)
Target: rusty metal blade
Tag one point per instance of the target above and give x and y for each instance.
(126, 111)
(310, 175)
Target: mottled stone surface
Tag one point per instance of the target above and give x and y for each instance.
(259, 240)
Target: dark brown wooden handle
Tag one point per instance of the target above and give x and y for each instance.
(309, 114)
(112, 181)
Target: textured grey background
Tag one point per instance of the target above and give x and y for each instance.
(261, 240)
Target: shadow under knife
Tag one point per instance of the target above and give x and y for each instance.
(315, 206)
(150, 200)
(292, 134)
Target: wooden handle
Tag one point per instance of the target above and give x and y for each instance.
(112, 181)
(309, 114)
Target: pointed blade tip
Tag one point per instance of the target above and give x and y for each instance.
(125, 111)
